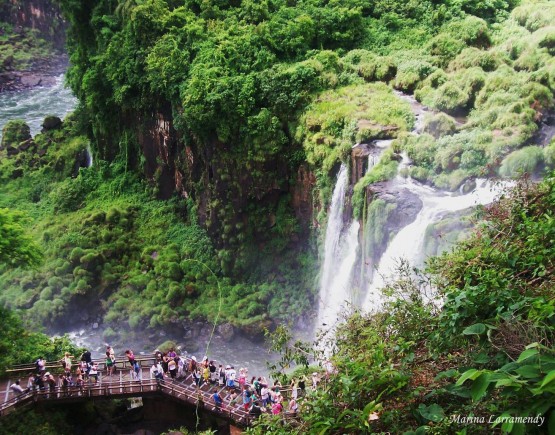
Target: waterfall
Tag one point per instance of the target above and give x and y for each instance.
(409, 242)
(340, 254)
(90, 159)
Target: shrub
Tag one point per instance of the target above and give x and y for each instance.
(474, 57)
(471, 30)
(522, 161)
(444, 48)
(14, 132)
(449, 98)
(439, 124)
(411, 72)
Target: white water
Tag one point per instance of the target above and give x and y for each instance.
(340, 254)
(408, 244)
(33, 105)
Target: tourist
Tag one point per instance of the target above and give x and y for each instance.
(172, 353)
(135, 367)
(51, 381)
(39, 382)
(64, 382)
(294, 388)
(217, 400)
(110, 360)
(293, 407)
(233, 398)
(255, 409)
(277, 408)
(246, 399)
(156, 371)
(213, 372)
(231, 378)
(86, 357)
(40, 366)
(315, 380)
(17, 389)
(31, 382)
(265, 395)
(302, 384)
(66, 364)
(242, 377)
(197, 377)
(86, 363)
(165, 362)
(180, 367)
(172, 368)
(206, 374)
(256, 385)
(221, 375)
(93, 372)
(193, 364)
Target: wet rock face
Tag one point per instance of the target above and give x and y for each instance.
(401, 206)
(407, 203)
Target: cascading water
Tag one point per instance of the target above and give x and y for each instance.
(340, 254)
(408, 243)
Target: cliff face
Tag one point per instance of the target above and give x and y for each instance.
(41, 15)
(237, 202)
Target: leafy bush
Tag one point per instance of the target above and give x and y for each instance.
(523, 161)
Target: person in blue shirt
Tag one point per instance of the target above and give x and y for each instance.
(217, 400)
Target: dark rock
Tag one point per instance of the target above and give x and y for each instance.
(406, 206)
(11, 151)
(17, 173)
(51, 123)
(24, 146)
(468, 186)
(81, 161)
(31, 80)
(8, 63)
(41, 152)
(226, 330)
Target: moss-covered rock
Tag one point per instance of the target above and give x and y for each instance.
(439, 124)
(15, 132)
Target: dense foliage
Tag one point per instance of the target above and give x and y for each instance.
(463, 347)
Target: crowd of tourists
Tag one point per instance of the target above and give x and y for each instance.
(230, 388)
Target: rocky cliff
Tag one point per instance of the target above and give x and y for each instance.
(41, 15)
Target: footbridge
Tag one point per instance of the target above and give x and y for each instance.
(123, 384)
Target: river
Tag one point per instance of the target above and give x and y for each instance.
(33, 105)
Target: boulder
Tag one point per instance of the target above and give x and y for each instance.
(227, 331)
(31, 80)
(51, 123)
(24, 146)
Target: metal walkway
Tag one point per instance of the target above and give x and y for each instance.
(121, 385)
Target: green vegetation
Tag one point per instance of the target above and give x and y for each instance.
(486, 352)
(20, 49)
(20, 346)
(111, 249)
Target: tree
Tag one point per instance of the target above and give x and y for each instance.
(17, 248)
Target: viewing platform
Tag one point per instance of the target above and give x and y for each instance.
(123, 384)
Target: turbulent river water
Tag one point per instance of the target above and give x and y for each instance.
(32, 105)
